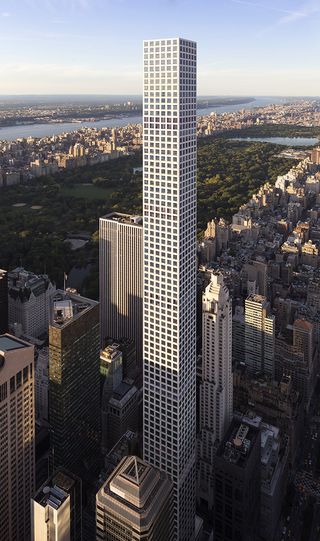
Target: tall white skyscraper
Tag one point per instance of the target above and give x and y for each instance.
(169, 222)
(216, 389)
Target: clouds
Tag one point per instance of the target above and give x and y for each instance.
(48, 78)
(5, 14)
(264, 81)
(304, 10)
(96, 45)
(307, 9)
(268, 7)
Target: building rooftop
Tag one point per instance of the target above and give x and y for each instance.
(121, 390)
(121, 449)
(22, 283)
(123, 218)
(67, 307)
(257, 298)
(53, 496)
(56, 489)
(303, 325)
(110, 352)
(238, 443)
(9, 343)
(122, 394)
(133, 483)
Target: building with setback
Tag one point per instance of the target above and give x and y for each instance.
(17, 437)
(135, 503)
(216, 388)
(56, 509)
(121, 278)
(169, 223)
(29, 301)
(122, 413)
(237, 484)
(74, 384)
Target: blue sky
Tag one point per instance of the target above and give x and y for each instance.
(258, 47)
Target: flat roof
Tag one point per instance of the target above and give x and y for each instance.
(9, 343)
(66, 307)
(131, 219)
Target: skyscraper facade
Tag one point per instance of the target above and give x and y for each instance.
(3, 301)
(121, 278)
(259, 335)
(216, 389)
(74, 380)
(169, 223)
(17, 437)
(134, 503)
(237, 475)
(110, 378)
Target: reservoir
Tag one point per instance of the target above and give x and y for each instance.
(288, 141)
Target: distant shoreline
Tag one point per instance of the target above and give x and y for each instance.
(203, 103)
(70, 120)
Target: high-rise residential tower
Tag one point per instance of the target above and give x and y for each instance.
(121, 278)
(216, 389)
(169, 223)
(17, 437)
(259, 335)
(74, 381)
(134, 503)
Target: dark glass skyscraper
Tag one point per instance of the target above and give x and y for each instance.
(74, 387)
(237, 484)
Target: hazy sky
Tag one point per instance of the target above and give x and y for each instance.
(258, 47)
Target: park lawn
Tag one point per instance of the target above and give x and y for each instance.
(90, 192)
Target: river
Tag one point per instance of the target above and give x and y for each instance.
(11, 133)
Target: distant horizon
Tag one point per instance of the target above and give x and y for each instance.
(264, 48)
(99, 94)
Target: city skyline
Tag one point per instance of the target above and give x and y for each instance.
(159, 270)
(245, 47)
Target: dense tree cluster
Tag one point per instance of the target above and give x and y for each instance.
(72, 202)
(229, 172)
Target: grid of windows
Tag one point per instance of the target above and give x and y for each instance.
(17, 433)
(170, 267)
